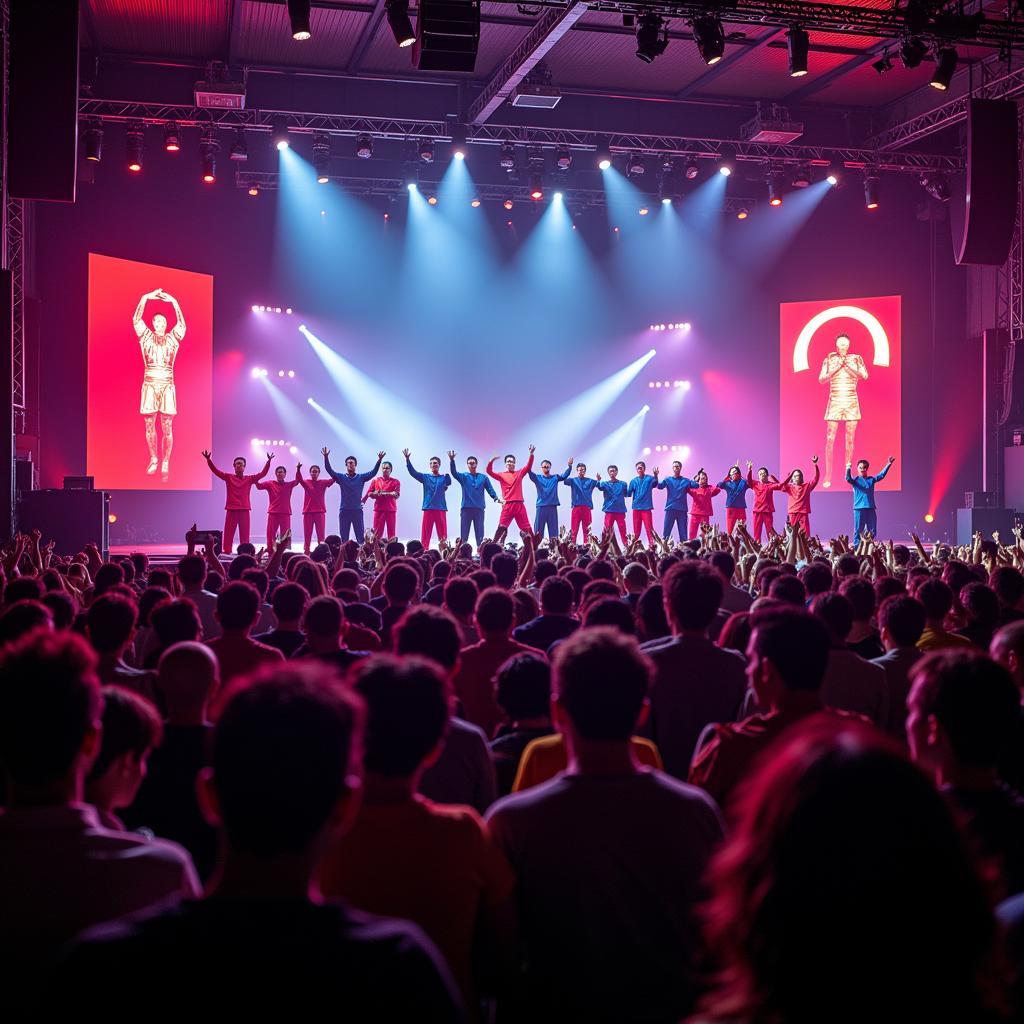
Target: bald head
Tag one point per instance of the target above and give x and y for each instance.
(187, 676)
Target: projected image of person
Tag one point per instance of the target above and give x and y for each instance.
(159, 349)
(842, 370)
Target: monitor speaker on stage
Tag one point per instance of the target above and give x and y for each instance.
(970, 521)
(71, 519)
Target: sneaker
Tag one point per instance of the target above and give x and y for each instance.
(151, 469)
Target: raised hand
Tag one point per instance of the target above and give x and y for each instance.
(451, 455)
(298, 466)
(405, 452)
(532, 448)
(380, 455)
(270, 456)
(750, 465)
(892, 459)
(814, 458)
(325, 452)
(207, 454)
(571, 460)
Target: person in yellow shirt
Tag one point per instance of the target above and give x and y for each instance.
(937, 599)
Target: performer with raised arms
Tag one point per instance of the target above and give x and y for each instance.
(513, 505)
(677, 486)
(764, 488)
(279, 510)
(474, 486)
(546, 515)
(350, 483)
(581, 487)
(237, 506)
(435, 507)
(384, 491)
(865, 515)
(799, 511)
(314, 507)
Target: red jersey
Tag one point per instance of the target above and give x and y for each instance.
(388, 486)
(238, 487)
(702, 499)
(511, 483)
(313, 499)
(280, 495)
(764, 493)
(800, 494)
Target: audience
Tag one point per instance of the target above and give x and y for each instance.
(289, 603)
(238, 607)
(110, 627)
(523, 693)
(901, 621)
(555, 621)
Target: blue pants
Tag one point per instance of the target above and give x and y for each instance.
(546, 516)
(472, 517)
(675, 518)
(351, 518)
(865, 519)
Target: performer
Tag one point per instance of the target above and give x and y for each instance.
(350, 483)
(677, 486)
(546, 515)
(314, 508)
(474, 485)
(735, 488)
(614, 509)
(764, 488)
(435, 508)
(842, 371)
(799, 511)
(641, 490)
(159, 350)
(701, 510)
(581, 487)
(385, 490)
(279, 511)
(513, 506)
(237, 506)
(865, 515)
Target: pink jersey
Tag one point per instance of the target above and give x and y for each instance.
(764, 493)
(800, 494)
(702, 500)
(511, 483)
(313, 499)
(280, 495)
(385, 485)
(238, 487)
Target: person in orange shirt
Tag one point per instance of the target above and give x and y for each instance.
(545, 757)
(407, 857)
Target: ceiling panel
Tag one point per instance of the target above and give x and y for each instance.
(265, 36)
(865, 87)
(192, 28)
(764, 74)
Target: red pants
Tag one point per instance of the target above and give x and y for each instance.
(278, 523)
(734, 516)
(802, 519)
(515, 511)
(581, 517)
(313, 521)
(235, 518)
(763, 521)
(696, 522)
(643, 518)
(434, 518)
(613, 519)
(384, 523)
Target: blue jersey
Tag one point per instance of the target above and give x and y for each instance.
(582, 490)
(864, 487)
(677, 486)
(433, 488)
(641, 490)
(351, 487)
(614, 492)
(547, 487)
(474, 486)
(735, 492)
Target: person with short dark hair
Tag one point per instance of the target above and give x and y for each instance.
(323, 624)
(1008, 649)
(523, 692)
(606, 611)
(650, 615)
(581, 490)
(546, 510)
(864, 639)
(555, 620)
(981, 611)
(237, 506)
(23, 617)
(505, 567)
(289, 603)
(400, 584)
(22, 588)
(1008, 583)
(937, 598)
(445, 873)
(61, 869)
(734, 598)
(238, 607)
(614, 506)
(695, 682)
(350, 484)
(110, 628)
(901, 621)
(865, 511)
(474, 486)
(192, 574)
(174, 622)
(789, 590)
(284, 781)
(460, 594)
(609, 856)
(816, 578)
(434, 506)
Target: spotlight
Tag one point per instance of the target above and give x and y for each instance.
(208, 156)
(872, 187)
(833, 177)
(412, 177)
(508, 204)
(936, 185)
(635, 166)
(603, 157)
(322, 158)
(255, 373)
(279, 132)
(432, 200)
(398, 20)
(801, 176)
(774, 191)
(798, 43)
(459, 136)
(666, 201)
(563, 159)
(280, 373)
(536, 187)
(651, 37)
(239, 149)
(913, 51)
(298, 13)
(92, 138)
(742, 213)
(945, 66)
(883, 64)
(507, 160)
(727, 160)
(254, 190)
(692, 169)
(172, 139)
(111, 518)
(364, 147)
(643, 211)
(558, 197)
(134, 144)
(929, 518)
(426, 151)
(709, 36)
(474, 203)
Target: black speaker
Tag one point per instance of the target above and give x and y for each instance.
(70, 518)
(993, 168)
(42, 152)
(988, 520)
(447, 35)
(24, 476)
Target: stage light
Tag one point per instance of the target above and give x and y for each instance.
(279, 132)
(833, 178)
(322, 158)
(643, 211)
(135, 144)
(929, 518)
(666, 201)
(913, 51)
(459, 138)
(742, 213)
(309, 401)
(432, 200)
(536, 188)
(685, 326)
(294, 450)
(692, 169)
(645, 408)
(280, 373)
(398, 21)
(474, 203)
(883, 64)
(255, 371)
(507, 160)
(798, 43)
(936, 185)
(255, 309)
(111, 518)
(945, 66)
(651, 353)
(603, 157)
(801, 177)
(774, 191)
(647, 451)
(726, 160)
(558, 197)
(563, 159)
(651, 37)
(239, 150)
(254, 190)
(298, 14)
(288, 311)
(709, 36)
(291, 373)
(615, 230)
(364, 147)
(635, 166)
(872, 189)
(508, 204)
(92, 139)
(255, 440)
(172, 138)
(208, 157)
(426, 151)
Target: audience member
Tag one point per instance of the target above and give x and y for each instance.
(289, 603)
(110, 628)
(523, 693)
(237, 654)
(901, 620)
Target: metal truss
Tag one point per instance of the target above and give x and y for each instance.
(996, 83)
(400, 129)
(1010, 277)
(15, 258)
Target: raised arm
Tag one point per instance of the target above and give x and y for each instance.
(490, 468)
(529, 462)
(452, 468)
(885, 469)
(849, 475)
(373, 472)
(213, 469)
(817, 473)
(565, 476)
(137, 322)
(179, 324)
(408, 465)
(266, 468)
(328, 469)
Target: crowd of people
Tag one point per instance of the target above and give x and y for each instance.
(707, 780)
